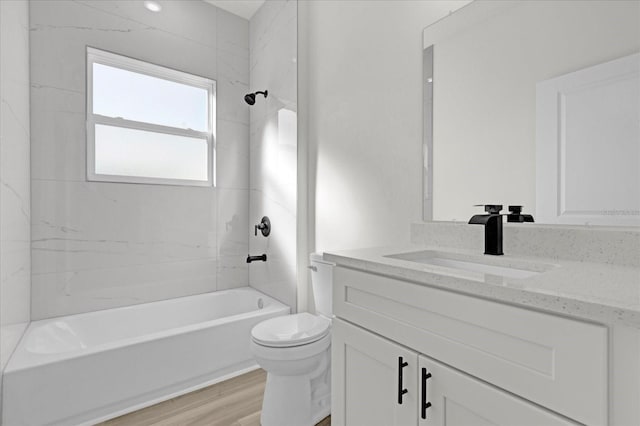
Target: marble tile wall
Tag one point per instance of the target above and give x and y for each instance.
(273, 147)
(15, 206)
(99, 245)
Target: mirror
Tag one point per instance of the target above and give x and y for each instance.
(534, 103)
(427, 135)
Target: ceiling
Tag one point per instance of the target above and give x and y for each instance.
(243, 8)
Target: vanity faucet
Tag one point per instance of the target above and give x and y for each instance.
(492, 228)
(493, 225)
(515, 215)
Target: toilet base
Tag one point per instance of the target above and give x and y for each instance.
(300, 400)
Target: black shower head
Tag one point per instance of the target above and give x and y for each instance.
(250, 98)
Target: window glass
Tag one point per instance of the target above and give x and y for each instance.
(122, 151)
(134, 96)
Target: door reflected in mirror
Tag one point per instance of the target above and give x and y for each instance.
(482, 133)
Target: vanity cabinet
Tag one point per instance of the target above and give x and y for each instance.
(494, 362)
(379, 382)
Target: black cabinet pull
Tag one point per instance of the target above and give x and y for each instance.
(425, 404)
(401, 389)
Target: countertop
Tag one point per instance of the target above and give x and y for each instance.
(598, 292)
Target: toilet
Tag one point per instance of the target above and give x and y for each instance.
(295, 351)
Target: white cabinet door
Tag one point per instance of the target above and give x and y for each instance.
(369, 375)
(452, 398)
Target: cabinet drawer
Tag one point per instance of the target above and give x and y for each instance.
(556, 362)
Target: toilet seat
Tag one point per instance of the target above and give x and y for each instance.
(290, 330)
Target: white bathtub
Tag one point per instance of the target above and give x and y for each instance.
(85, 368)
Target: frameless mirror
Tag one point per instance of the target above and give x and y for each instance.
(427, 135)
(534, 103)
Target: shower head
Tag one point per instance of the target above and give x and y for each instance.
(250, 98)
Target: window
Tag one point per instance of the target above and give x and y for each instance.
(147, 123)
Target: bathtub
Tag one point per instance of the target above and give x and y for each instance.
(85, 368)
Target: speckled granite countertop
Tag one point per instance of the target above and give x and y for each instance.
(600, 292)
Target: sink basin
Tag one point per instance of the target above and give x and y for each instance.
(470, 263)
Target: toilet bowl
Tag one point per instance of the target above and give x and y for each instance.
(295, 351)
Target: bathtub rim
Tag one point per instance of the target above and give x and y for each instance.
(21, 359)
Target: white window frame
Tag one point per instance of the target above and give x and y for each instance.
(141, 67)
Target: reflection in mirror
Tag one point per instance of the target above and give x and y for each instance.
(587, 145)
(427, 136)
(490, 58)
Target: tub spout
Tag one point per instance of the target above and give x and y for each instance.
(262, 257)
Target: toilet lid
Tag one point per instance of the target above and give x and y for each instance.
(290, 330)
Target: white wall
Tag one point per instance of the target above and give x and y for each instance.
(362, 77)
(15, 206)
(102, 245)
(485, 75)
(273, 147)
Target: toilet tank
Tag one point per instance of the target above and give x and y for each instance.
(322, 284)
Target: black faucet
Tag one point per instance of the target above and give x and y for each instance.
(515, 215)
(493, 225)
(492, 228)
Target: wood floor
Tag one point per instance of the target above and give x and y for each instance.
(235, 402)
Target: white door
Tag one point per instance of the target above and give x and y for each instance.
(588, 145)
(452, 398)
(374, 379)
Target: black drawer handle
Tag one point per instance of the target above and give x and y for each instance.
(425, 404)
(401, 389)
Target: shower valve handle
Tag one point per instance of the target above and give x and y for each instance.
(264, 226)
